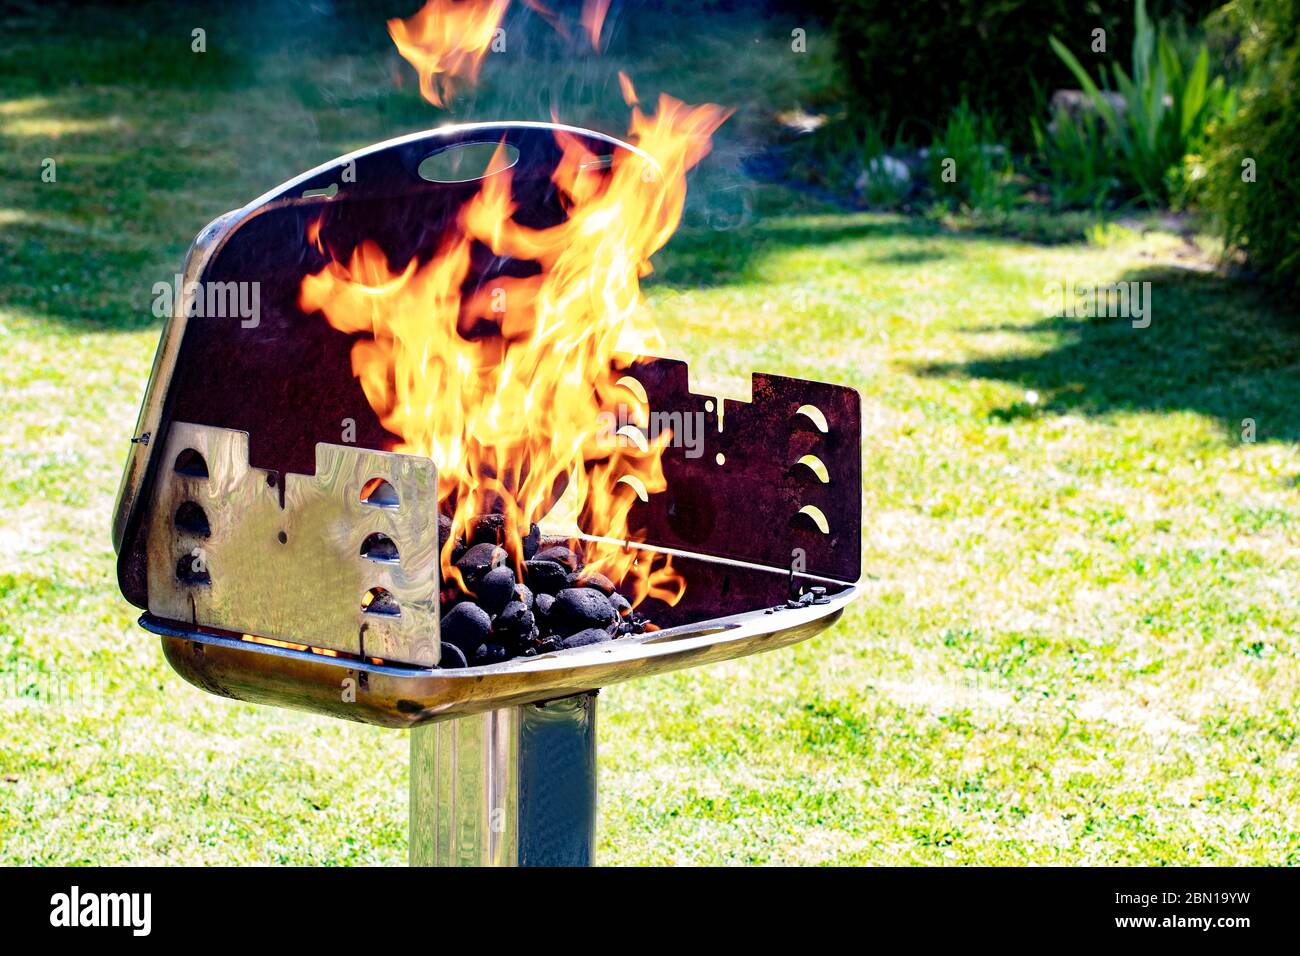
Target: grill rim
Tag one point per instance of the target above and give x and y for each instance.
(409, 697)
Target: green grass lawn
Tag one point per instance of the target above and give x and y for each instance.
(1076, 641)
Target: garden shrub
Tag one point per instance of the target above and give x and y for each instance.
(1253, 178)
(967, 147)
(1166, 103)
(916, 61)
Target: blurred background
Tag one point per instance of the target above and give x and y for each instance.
(1078, 638)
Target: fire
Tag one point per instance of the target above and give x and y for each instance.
(447, 39)
(503, 382)
(593, 19)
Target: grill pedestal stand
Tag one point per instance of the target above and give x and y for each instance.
(510, 787)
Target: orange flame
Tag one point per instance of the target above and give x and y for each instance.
(447, 39)
(593, 19)
(509, 386)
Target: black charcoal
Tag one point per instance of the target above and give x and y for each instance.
(591, 635)
(478, 561)
(579, 608)
(524, 596)
(496, 589)
(590, 579)
(467, 626)
(621, 604)
(544, 577)
(487, 529)
(451, 656)
(514, 627)
(490, 654)
(560, 555)
(532, 541)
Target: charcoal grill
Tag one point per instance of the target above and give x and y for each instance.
(241, 527)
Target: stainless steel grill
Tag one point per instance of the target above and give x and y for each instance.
(246, 534)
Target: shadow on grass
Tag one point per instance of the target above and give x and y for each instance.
(1215, 346)
(700, 256)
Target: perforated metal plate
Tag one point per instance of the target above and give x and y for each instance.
(294, 557)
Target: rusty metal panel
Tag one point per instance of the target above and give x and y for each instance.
(776, 481)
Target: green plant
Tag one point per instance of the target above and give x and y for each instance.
(966, 165)
(913, 62)
(1251, 183)
(851, 154)
(1166, 105)
(1076, 160)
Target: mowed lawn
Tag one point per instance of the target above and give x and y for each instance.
(1077, 635)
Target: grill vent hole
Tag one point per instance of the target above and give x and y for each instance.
(466, 162)
(380, 601)
(191, 519)
(190, 462)
(192, 569)
(380, 547)
(379, 493)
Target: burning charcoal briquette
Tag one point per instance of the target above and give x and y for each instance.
(514, 627)
(621, 604)
(524, 596)
(531, 541)
(544, 577)
(496, 589)
(591, 635)
(560, 555)
(590, 579)
(478, 561)
(578, 608)
(444, 529)
(487, 529)
(490, 654)
(542, 606)
(451, 656)
(467, 626)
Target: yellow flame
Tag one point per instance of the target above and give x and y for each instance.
(445, 41)
(504, 384)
